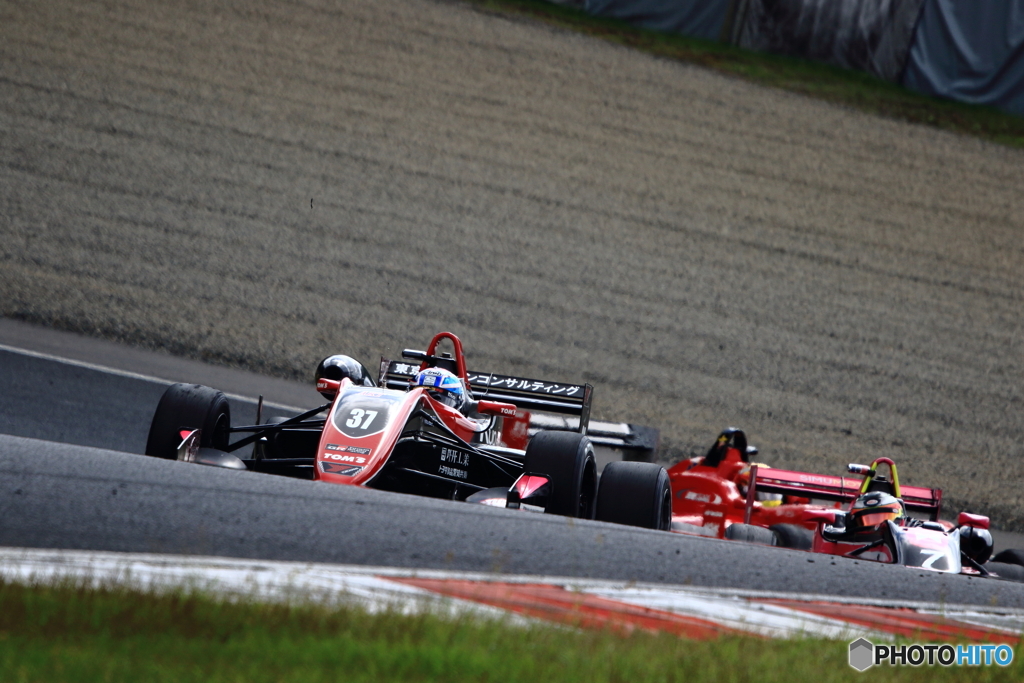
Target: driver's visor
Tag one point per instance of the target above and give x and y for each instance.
(442, 395)
(876, 518)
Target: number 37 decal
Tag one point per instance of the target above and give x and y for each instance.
(360, 419)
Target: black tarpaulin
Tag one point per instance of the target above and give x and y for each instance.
(970, 51)
(867, 35)
(694, 18)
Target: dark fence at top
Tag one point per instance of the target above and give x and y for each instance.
(868, 35)
(694, 18)
(972, 51)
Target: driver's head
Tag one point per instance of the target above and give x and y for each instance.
(730, 446)
(872, 509)
(443, 386)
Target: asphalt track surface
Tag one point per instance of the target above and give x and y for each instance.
(103, 394)
(85, 494)
(63, 496)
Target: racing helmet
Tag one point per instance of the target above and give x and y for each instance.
(337, 367)
(872, 509)
(443, 386)
(976, 543)
(731, 439)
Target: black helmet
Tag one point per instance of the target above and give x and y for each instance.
(731, 437)
(976, 543)
(337, 367)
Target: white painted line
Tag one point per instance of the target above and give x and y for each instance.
(132, 375)
(269, 581)
(742, 610)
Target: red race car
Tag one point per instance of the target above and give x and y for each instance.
(712, 496)
(723, 494)
(426, 426)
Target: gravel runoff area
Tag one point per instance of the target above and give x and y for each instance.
(261, 183)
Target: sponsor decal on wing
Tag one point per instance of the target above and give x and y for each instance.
(531, 385)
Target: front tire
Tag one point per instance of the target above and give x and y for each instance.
(188, 407)
(567, 459)
(635, 494)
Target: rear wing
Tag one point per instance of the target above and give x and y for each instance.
(562, 407)
(844, 489)
(552, 397)
(636, 442)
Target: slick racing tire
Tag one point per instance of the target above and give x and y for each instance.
(792, 536)
(1005, 570)
(1010, 556)
(188, 406)
(636, 494)
(567, 458)
(1007, 564)
(748, 533)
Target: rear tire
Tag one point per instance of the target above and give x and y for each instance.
(188, 406)
(1010, 556)
(748, 533)
(792, 536)
(635, 494)
(567, 459)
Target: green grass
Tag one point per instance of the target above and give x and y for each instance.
(841, 86)
(70, 633)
